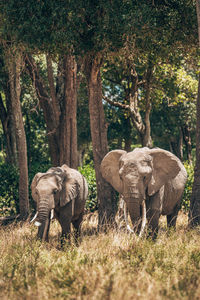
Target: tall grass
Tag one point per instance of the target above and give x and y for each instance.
(115, 265)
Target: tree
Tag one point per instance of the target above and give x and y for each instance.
(153, 42)
(59, 106)
(194, 214)
(14, 60)
(173, 115)
(126, 76)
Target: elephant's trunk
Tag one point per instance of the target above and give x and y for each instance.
(138, 217)
(133, 206)
(43, 219)
(43, 230)
(43, 210)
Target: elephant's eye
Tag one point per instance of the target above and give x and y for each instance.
(55, 191)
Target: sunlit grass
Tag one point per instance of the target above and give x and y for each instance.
(115, 265)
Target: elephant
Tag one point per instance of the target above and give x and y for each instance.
(151, 182)
(61, 191)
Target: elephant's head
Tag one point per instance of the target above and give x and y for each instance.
(139, 173)
(50, 189)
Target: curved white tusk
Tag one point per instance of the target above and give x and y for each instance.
(38, 224)
(129, 229)
(34, 217)
(144, 219)
(126, 218)
(52, 214)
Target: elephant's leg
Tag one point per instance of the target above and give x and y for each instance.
(77, 227)
(154, 208)
(64, 218)
(172, 218)
(153, 222)
(66, 232)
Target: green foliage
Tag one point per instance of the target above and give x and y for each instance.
(9, 190)
(89, 173)
(188, 188)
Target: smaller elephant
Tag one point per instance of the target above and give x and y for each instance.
(61, 191)
(151, 182)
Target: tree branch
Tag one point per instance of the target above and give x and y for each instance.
(116, 104)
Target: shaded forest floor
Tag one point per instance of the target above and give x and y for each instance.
(115, 265)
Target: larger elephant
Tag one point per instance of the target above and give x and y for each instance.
(151, 181)
(61, 190)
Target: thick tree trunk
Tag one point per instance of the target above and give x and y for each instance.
(146, 138)
(68, 122)
(194, 214)
(14, 63)
(127, 138)
(7, 121)
(106, 194)
(59, 108)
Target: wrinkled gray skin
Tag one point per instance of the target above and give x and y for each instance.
(154, 175)
(64, 191)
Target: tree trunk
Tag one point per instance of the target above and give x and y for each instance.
(194, 213)
(68, 121)
(146, 138)
(14, 63)
(7, 121)
(127, 138)
(59, 108)
(47, 107)
(106, 200)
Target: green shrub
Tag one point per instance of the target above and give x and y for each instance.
(188, 188)
(89, 173)
(9, 203)
(9, 186)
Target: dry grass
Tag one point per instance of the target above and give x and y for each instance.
(105, 266)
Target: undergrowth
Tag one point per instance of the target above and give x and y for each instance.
(115, 265)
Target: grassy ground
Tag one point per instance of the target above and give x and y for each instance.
(105, 266)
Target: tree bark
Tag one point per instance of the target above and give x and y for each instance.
(60, 108)
(127, 138)
(68, 120)
(106, 195)
(14, 64)
(194, 213)
(7, 121)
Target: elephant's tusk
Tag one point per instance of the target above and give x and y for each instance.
(126, 218)
(38, 224)
(34, 217)
(144, 219)
(129, 229)
(52, 214)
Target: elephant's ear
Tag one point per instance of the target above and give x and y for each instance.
(110, 168)
(70, 187)
(166, 166)
(33, 185)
